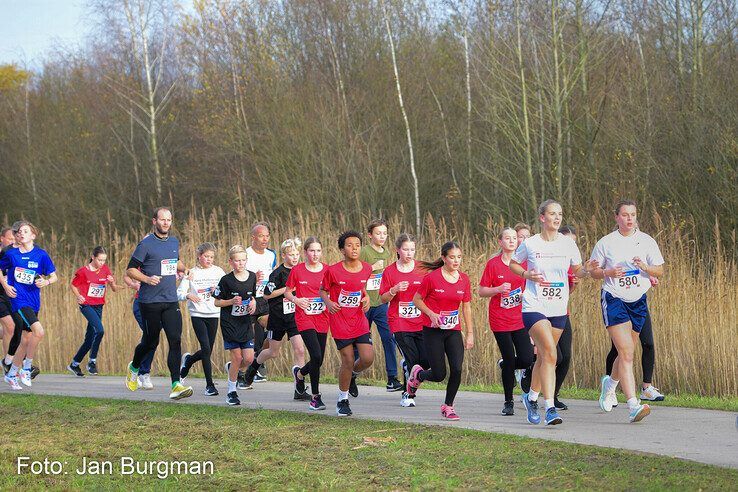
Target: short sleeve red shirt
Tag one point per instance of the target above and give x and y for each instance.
(347, 289)
(505, 312)
(445, 298)
(402, 314)
(92, 284)
(306, 284)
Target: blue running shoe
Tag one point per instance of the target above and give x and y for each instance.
(552, 417)
(532, 408)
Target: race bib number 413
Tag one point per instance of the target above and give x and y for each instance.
(24, 275)
(349, 299)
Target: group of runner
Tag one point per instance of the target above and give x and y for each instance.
(418, 307)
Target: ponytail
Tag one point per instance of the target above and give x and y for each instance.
(435, 265)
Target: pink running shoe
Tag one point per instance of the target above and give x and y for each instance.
(449, 413)
(413, 383)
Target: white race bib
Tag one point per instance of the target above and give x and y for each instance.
(260, 288)
(512, 299)
(349, 299)
(315, 306)
(205, 294)
(629, 279)
(288, 307)
(448, 319)
(240, 309)
(24, 275)
(96, 291)
(408, 310)
(374, 280)
(168, 267)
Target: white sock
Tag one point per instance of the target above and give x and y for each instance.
(27, 364)
(633, 403)
(342, 395)
(231, 386)
(533, 395)
(611, 385)
(549, 404)
(8, 360)
(13, 371)
(93, 360)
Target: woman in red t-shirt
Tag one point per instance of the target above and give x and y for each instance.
(344, 293)
(400, 282)
(442, 293)
(89, 286)
(505, 291)
(311, 317)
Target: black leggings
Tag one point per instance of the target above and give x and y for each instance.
(412, 348)
(648, 357)
(517, 353)
(440, 344)
(158, 315)
(315, 344)
(563, 356)
(205, 330)
(16, 339)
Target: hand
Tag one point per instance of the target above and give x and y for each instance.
(590, 265)
(11, 292)
(365, 303)
(641, 264)
(505, 288)
(110, 279)
(80, 299)
(573, 280)
(41, 282)
(378, 265)
(616, 272)
(252, 306)
(534, 276)
(402, 286)
(153, 280)
(654, 281)
(302, 303)
(236, 300)
(194, 298)
(469, 341)
(333, 307)
(435, 320)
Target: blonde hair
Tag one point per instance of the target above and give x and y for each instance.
(288, 244)
(236, 250)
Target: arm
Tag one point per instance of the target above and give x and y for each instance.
(467, 312)
(652, 270)
(333, 307)
(489, 291)
(9, 289)
(113, 286)
(45, 282)
(275, 293)
(135, 274)
(532, 275)
(80, 298)
(420, 304)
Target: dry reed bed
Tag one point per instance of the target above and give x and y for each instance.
(694, 310)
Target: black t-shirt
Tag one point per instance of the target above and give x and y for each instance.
(235, 321)
(277, 305)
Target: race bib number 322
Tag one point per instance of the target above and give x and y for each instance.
(315, 306)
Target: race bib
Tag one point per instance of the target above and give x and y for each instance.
(629, 279)
(168, 267)
(349, 299)
(205, 294)
(96, 291)
(260, 288)
(448, 319)
(408, 310)
(374, 281)
(288, 307)
(315, 306)
(24, 275)
(552, 291)
(240, 309)
(512, 299)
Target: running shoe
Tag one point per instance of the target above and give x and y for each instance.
(605, 402)
(509, 408)
(393, 385)
(304, 396)
(525, 379)
(232, 399)
(35, 371)
(144, 382)
(407, 401)
(91, 368)
(651, 394)
(6, 367)
(25, 377)
(210, 391)
(184, 367)
(180, 391)
(413, 383)
(249, 376)
(449, 413)
(299, 383)
(560, 405)
(405, 369)
(13, 382)
(75, 370)
(316, 403)
(532, 408)
(241, 380)
(611, 399)
(499, 363)
(227, 367)
(552, 417)
(353, 388)
(343, 409)
(639, 413)
(519, 373)
(260, 378)
(131, 378)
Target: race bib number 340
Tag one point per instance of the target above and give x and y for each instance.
(349, 299)
(449, 319)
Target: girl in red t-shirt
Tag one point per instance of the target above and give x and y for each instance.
(344, 293)
(89, 286)
(400, 282)
(505, 291)
(442, 293)
(311, 317)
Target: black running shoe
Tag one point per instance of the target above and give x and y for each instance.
(304, 396)
(560, 404)
(259, 377)
(241, 381)
(210, 391)
(343, 409)
(316, 403)
(75, 370)
(232, 399)
(249, 375)
(353, 389)
(35, 371)
(393, 385)
(184, 367)
(299, 383)
(6, 368)
(509, 408)
(526, 379)
(92, 368)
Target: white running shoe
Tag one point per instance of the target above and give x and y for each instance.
(25, 377)
(605, 401)
(144, 382)
(519, 375)
(406, 401)
(13, 382)
(639, 413)
(651, 394)
(611, 399)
